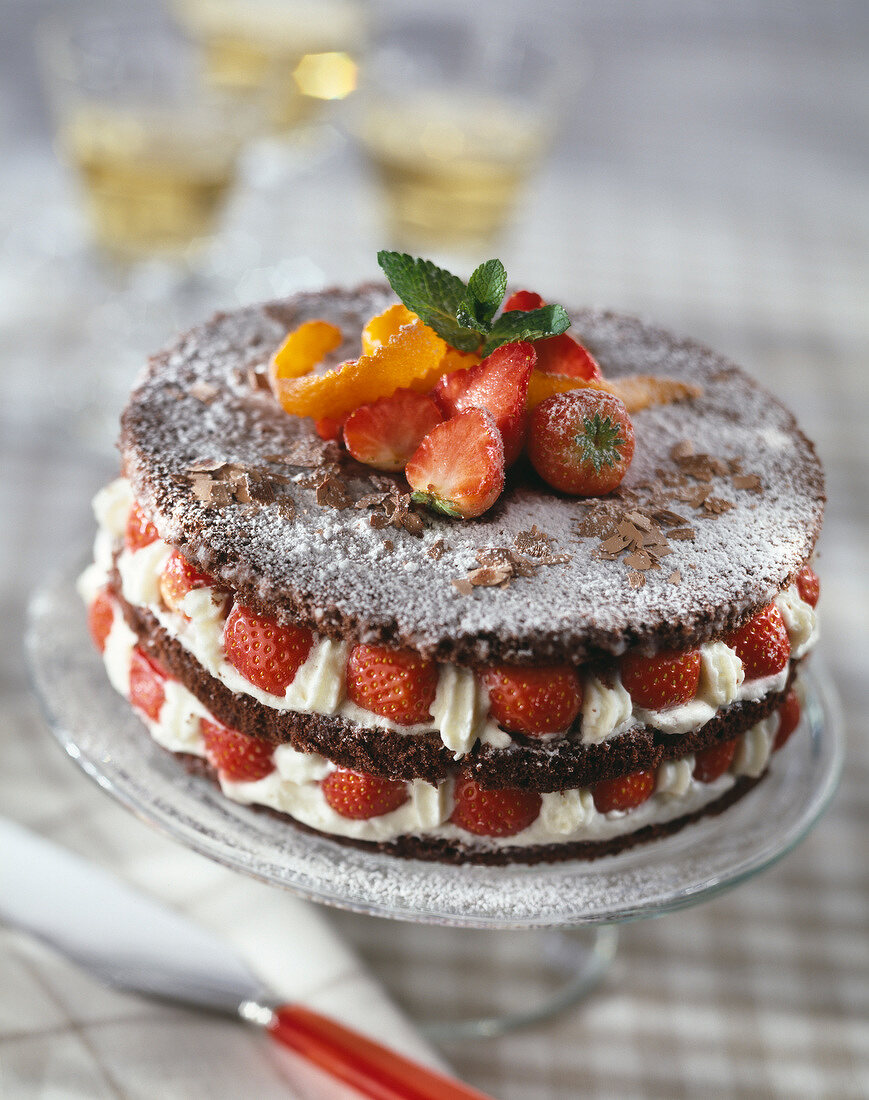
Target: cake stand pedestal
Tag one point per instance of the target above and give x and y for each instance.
(99, 731)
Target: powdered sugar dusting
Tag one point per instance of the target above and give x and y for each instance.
(386, 584)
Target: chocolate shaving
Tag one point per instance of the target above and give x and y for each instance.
(205, 392)
(333, 493)
(437, 550)
(717, 505)
(682, 534)
(747, 481)
(462, 585)
(675, 577)
(257, 379)
(681, 450)
(303, 452)
(487, 576)
(636, 580)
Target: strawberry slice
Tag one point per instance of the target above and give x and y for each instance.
(180, 577)
(788, 718)
(711, 763)
(500, 384)
(808, 585)
(147, 685)
(458, 469)
(359, 796)
(624, 793)
(264, 652)
(140, 531)
(523, 299)
(533, 701)
(762, 644)
(386, 433)
(236, 756)
(665, 680)
(565, 356)
(101, 614)
(503, 812)
(397, 684)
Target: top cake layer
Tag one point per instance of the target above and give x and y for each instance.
(721, 506)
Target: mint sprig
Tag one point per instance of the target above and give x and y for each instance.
(464, 315)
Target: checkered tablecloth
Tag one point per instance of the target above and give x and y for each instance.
(751, 235)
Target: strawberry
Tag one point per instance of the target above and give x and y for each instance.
(180, 577)
(397, 684)
(329, 427)
(236, 756)
(458, 468)
(500, 384)
(762, 644)
(665, 680)
(533, 701)
(359, 796)
(385, 434)
(808, 585)
(624, 793)
(140, 532)
(788, 719)
(264, 652)
(503, 812)
(581, 442)
(147, 680)
(713, 762)
(101, 614)
(566, 356)
(523, 299)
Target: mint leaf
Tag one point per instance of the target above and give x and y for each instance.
(534, 324)
(433, 294)
(462, 315)
(486, 289)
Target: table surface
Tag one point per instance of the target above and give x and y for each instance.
(711, 175)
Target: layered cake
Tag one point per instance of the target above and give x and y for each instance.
(542, 674)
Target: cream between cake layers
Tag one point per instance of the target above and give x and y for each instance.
(274, 522)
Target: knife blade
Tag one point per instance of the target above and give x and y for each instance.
(135, 943)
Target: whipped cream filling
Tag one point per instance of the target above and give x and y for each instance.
(294, 785)
(460, 708)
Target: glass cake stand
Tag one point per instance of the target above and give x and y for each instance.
(100, 732)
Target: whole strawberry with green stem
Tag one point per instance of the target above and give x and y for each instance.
(581, 442)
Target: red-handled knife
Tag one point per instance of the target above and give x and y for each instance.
(135, 943)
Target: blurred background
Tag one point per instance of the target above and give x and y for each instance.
(702, 164)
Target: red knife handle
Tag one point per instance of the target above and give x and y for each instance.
(372, 1069)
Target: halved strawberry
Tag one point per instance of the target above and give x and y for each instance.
(264, 652)
(458, 468)
(147, 685)
(236, 756)
(625, 793)
(533, 701)
(101, 614)
(566, 356)
(523, 299)
(762, 644)
(500, 384)
(178, 578)
(788, 719)
(664, 680)
(714, 761)
(140, 531)
(808, 585)
(397, 684)
(386, 433)
(359, 796)
(503, 812)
